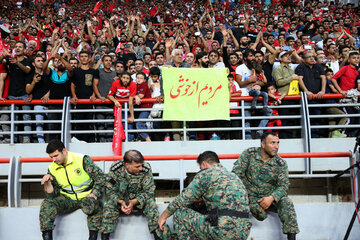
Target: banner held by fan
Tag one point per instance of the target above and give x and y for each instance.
(193, 94)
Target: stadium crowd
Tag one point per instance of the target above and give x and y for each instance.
(50, 49)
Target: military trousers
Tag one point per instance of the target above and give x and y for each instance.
(190, 225)
(51, 207)
(284, 208)
(112, 212)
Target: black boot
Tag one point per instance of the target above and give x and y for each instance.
(47, 235)
(105, 236)
(156, 236)
(93, 235)
(291, 236)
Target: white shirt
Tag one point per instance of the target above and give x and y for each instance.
(245, 73)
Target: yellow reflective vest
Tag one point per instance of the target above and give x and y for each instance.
(73, 180)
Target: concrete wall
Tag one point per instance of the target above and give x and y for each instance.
(316, 221)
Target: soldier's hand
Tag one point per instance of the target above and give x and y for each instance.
(162, 219)
(93, 196)
(265, 202)
(46, 179)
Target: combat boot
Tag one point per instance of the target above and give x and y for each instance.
(291, 236)
(93, 235)
(156, 236)
(105, 236)
(47, 235)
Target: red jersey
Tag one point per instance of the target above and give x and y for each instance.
(143, 89)
(347, 76)
(119, 91)
(37, 39)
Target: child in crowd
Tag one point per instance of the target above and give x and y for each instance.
(143, 91)
(255, 88)
(334, 133)
(274, 100)
(235, 91)
(155, 89)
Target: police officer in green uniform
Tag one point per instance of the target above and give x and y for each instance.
(265, 176)
(73, 182)
(225, 198)
(129, 185)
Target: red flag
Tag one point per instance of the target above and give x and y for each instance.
(111, 6)
(119, 133)
(97, 6)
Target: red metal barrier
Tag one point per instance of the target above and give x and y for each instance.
(4, 160)
(151, 100)
(192, 157)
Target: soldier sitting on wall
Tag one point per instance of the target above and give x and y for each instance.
(265, 176)
(130, 184)
(73, 182)
(223, 194)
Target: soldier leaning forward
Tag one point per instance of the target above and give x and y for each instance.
(265, 176)
(225, 197)
(130, 184)
(73, 182)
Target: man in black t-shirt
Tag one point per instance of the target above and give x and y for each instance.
(82, 88)
(37, 84)
(312, 81)
(19, 68)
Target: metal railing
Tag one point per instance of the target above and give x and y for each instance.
(68, 119)
(16, 177)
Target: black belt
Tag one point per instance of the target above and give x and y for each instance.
(229, 213)
(216, 213)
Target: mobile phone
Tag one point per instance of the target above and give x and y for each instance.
(307, 47)
(100, 49)
(127, 45)
(197, 34)
(286, 48)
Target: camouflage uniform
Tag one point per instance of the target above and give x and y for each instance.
(220, 190)
(121, 186)
(263, 179)
(56, 202)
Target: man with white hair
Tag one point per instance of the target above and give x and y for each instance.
(177, 61)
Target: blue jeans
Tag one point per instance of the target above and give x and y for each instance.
(26, 116)
(142, 125)
(262, 123)
(130, 136)
(40, 126)
(257, 93)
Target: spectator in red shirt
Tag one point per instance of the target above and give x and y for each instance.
(143, 91)
(347, 76)
(124, 88)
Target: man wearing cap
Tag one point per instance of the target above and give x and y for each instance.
(283, 75)
(73, 182)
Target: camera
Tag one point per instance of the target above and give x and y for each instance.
(97, 57)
